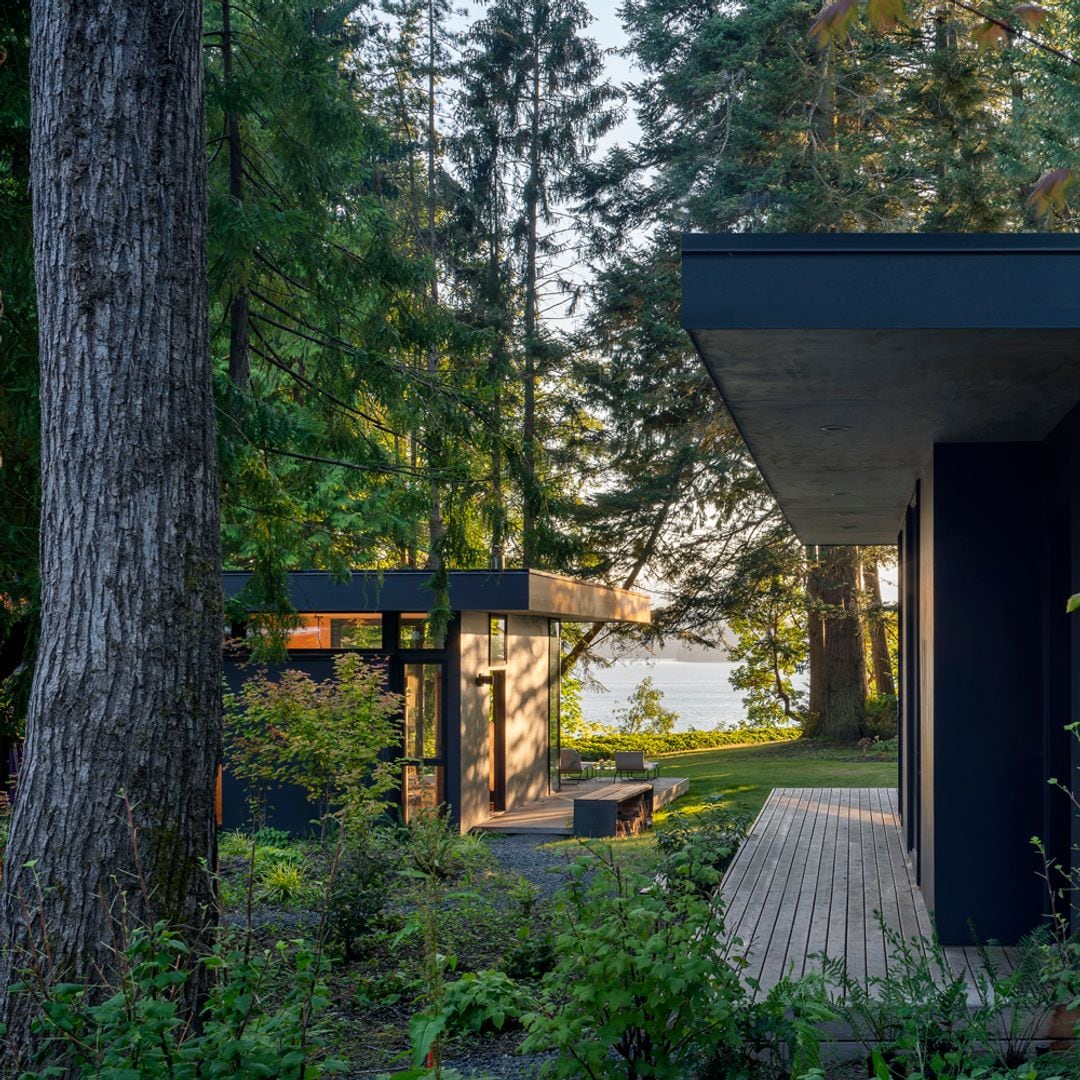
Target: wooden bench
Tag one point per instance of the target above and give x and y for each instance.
(618, 810)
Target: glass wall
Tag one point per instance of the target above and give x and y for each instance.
(554, 701)
(424, 776)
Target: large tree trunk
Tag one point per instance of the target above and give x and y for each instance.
(127, 688)
(843, 703)
(815, 629)
(880, 663)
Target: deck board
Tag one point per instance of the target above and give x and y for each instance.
(817, 868)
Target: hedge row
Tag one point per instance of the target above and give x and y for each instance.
(598, 747)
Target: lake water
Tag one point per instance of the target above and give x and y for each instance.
(699, 692)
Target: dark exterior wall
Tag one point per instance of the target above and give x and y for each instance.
(1062, 824)
(526, 709)
(475, 707)
(925, 588)
(983, 746)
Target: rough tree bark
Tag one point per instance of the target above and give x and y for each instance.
(843, 704)
(126, 693)
(879, 648)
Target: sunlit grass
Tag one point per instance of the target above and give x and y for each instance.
(743, 776)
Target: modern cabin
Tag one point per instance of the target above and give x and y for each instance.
(924, 390)
(481, 706)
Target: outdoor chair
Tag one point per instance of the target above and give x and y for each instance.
(632, 765)
(571, 770)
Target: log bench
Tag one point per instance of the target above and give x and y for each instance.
(616, 810)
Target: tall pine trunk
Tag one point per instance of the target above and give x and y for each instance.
(127, 689)
(815, 629)
(880, 663)
(843, 701)
(530, 501)
(436, 525)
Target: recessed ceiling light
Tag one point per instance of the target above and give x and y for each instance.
(833, 428)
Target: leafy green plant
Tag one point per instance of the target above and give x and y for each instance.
(485, 1001)
(915, 1021)
(140, 1026)
(714, 835)
(643, 984)
(330, 738)
(284, 884)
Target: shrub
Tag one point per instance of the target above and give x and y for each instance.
(711, 836)
(595, 747)
(140, 1027)
(642, 985)
(481, 1002)
(330, 738)
(357, 906)
(881, 718)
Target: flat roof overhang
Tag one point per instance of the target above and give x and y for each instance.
(895, 342)
(510, 592)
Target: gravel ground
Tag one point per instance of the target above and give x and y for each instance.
(545, 868)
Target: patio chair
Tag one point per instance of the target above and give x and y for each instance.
(571, 770)
(631, 764)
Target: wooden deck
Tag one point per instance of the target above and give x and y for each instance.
(554, 814)
(816, 867)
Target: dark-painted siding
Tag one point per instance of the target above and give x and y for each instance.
(988, 773)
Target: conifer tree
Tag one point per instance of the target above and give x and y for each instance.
(552, 104)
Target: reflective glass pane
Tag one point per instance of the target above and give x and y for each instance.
(423, 711)
(356, 632)
(415, 632)
(422, 789)
(360, 630)
(497, 639)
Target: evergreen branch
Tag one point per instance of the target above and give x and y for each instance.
(416, 472)
(272, 358)
(1045, 46)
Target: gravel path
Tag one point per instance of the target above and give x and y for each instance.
(544, 867)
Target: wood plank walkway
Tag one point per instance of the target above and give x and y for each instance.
(816, 868)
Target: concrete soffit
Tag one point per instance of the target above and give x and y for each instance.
(844, 359)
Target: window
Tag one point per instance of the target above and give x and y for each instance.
(496, 639)
(354, 630)
(423, 776)
(416, 633)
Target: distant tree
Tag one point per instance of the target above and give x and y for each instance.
(549, 104)
(879, 620)
(645, 711)
(843, 691)
(124, 727)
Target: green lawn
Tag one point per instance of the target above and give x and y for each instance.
(744, 775)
